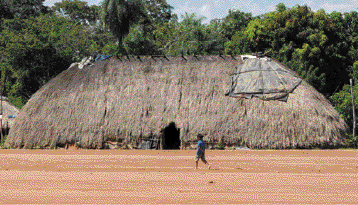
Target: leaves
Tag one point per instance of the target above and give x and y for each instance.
(120, 15)
(78, 11)
(234, 22)
(22, 8)
(35, 50)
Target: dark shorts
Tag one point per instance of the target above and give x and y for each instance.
(202, 157)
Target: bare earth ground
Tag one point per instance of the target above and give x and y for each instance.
(132, 176)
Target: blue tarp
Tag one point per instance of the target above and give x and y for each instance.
(102, 57)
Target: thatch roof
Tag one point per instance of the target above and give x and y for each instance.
(9, 113)
(127, 99)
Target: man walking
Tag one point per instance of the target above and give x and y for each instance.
(200, 151)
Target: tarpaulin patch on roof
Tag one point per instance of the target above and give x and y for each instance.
(102, 57)
(263, 78)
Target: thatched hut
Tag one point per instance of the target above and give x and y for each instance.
(8, 114)
(126, 99)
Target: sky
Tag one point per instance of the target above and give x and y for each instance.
(216, 9)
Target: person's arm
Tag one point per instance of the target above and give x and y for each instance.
(201, 150)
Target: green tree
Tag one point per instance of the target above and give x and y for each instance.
(281, 7)
(89, 16)
(23, 8)
(78, 11)
(158, 12)
(138, 43)
(5, 10)
(104, 41)
(141, 39)
(34, 50)
(120, 15)
(234, 22)
(342, 102)
(239, 44)
(188, 36)
(215, 38)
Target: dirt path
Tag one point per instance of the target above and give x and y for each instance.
(107, 176)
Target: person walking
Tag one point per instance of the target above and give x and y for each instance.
(200, 152)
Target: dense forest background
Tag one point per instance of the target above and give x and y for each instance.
(38, 42)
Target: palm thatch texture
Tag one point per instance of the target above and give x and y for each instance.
(127, 99)
(9, 113)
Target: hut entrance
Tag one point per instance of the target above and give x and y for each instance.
(171, 137)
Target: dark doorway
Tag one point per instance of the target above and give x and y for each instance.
(171, 137)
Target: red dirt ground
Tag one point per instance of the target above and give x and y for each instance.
(132, 177)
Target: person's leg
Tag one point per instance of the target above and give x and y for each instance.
(196, 162)
(205, 162)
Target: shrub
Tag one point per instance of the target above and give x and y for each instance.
(2, 142)
(220, 146)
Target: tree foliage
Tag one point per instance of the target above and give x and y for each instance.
(158, 12)
(5, 10)
(78, 11)
(120, 15)
(22, 8)
(35, 50)
(190, 36)
(234, 22)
